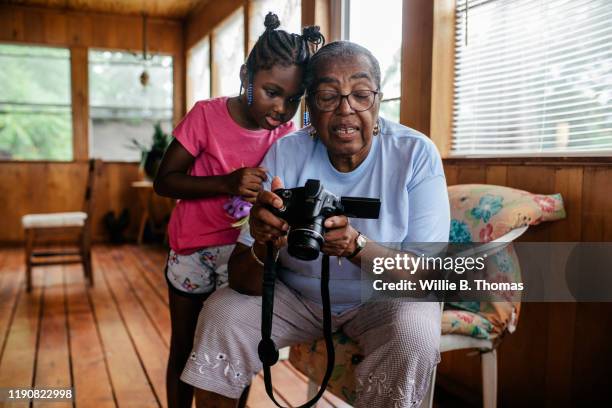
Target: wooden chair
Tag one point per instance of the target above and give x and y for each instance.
(39, 228)
(520, 210)
(448, 342)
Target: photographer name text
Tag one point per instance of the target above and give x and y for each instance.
(446, 285)
(411, 264)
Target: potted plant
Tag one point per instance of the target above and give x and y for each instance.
(151, 156)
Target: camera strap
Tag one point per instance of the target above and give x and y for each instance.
(268, 354)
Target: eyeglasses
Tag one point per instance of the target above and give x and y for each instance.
(359, 101)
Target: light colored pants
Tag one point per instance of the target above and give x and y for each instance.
(200, 272)
(400, 341)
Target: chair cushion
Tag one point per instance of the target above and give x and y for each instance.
(483, 213)
(502, 266)
(53, 220)
(466, 323)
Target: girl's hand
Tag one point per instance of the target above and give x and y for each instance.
(340, 238)
(246, 182)
(264, 225)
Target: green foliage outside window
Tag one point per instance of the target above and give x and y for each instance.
(35, 103)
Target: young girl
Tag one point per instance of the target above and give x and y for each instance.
(211, 166)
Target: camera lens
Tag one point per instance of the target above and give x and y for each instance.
(304, 241)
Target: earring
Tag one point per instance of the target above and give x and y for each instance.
(249, 92)
(313, 133)
(306, 121)
(376, 130)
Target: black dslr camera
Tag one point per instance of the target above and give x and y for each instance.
(306, 208)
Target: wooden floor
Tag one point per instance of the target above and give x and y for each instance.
(109, 343)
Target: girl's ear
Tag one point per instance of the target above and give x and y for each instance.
(244, 77)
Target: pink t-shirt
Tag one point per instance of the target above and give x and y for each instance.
(219, 146)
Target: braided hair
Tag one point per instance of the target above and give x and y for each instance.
(278, 47)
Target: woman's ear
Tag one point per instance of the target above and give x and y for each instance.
(244, 77)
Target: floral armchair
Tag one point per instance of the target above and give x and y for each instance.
(479, 213)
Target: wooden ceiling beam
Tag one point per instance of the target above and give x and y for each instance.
(206, 18)
(174, 9)
(47, 26)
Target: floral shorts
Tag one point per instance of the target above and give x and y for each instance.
(200, 272)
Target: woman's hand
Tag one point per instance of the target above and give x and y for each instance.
(340, 238)
(246, 182)
(264, 225)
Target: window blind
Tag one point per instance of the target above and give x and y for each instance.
(532, 77)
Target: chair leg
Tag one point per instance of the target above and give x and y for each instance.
(87, 268)
(489, 379)
(29, 242)
(144, 218)
(86, 258)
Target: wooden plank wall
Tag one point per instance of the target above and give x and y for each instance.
(417, 33)
(47, 187)
(586, 190)
(560, 355)
(27, 187)
(202, 20)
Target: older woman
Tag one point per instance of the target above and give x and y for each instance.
(353, 152)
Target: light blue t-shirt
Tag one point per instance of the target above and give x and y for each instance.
(403, 169)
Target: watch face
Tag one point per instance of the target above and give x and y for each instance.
(361, 241)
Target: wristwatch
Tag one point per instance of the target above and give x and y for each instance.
(360, 243)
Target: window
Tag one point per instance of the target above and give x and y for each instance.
(386, 45)
(121, 109)
(533, 78)
(198, 72)
(35, 103)
(228, 50)
(289, 13)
